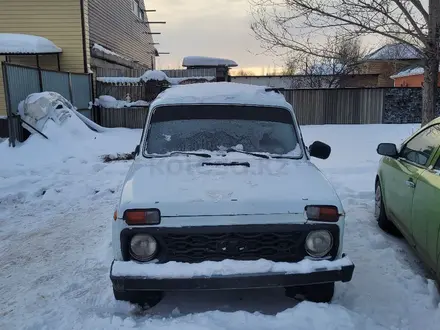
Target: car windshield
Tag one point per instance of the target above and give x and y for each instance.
(210, 128)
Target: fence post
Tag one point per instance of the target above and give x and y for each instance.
(11, 130)
(97, 117)
(70, 89)
(125, 116)
(93, 114)
(40, 80)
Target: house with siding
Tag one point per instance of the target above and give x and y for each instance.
(92, 35)
(388, 60)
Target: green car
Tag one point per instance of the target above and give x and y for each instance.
(408, 192)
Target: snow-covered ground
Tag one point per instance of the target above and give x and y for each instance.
(56, 204)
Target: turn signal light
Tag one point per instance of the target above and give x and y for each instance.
(322, 213)
(142, 217)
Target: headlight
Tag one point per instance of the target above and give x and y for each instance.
(319, 243)
(143, 247)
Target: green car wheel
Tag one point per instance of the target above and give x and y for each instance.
(379, 210)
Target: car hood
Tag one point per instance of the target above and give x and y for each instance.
(188, 186)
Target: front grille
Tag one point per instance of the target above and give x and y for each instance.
(238, 242)
(277, 246)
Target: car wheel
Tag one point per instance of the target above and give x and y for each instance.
(145, 299)
(379, 212)
(319, 293)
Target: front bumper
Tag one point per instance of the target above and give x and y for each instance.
(132, 276)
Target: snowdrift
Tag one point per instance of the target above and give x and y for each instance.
(40, 108)
(57, 130)
(71, 137)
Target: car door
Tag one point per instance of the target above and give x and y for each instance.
(402, 174)
(425, 223)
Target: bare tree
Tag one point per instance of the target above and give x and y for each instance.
(269, 71)
(342, 58)
(409, 22)
(244, 73)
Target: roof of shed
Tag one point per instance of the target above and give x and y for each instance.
(26, 44)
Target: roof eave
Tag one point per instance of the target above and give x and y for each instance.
(24, 54)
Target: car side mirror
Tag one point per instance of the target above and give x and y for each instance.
(387, 149)
(320, 150)
(136, 151)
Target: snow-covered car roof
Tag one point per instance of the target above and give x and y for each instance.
(220, 93)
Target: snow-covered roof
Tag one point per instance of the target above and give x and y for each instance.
(119, 80)
(16, 43)
(148, 76)
(151, 75)
(411, 71)
(221, 93)
(107, 51)
(207, 62)
(397, 51)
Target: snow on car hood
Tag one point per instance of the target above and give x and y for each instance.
(188, 186)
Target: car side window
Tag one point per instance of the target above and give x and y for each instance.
(419, 149)
(437, 165)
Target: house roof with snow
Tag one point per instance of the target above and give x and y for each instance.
(410, 71)
(202, 61)
(221, 93)
(16, 43)
(396, 52)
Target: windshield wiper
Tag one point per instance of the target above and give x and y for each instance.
(284, 157)
(200, 154)
(247, 153)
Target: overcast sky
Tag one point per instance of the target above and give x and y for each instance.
(218, 28)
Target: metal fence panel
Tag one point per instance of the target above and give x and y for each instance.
(81, 90)
(21, 81)
(86, 112)
(57, 82)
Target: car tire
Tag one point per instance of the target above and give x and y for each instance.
(145, 299)
(380, 215)
(318, 293)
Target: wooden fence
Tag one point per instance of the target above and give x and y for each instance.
(133, 117)
(330, 106)
(337, 106)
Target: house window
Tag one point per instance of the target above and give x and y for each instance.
(137, 10)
